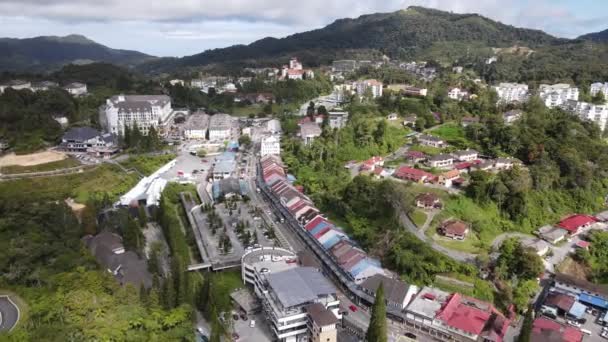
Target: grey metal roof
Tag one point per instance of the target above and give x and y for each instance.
(396, 290)
(81, 134)
(299, 286)
(225, 166)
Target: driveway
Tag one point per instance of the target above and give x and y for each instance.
(9, 313)
(502, 237)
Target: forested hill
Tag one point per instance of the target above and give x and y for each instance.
(400, 34)
(601, 37)
(50, 52)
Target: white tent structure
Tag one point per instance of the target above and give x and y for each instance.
(148, 188)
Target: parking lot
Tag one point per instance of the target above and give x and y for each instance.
(260, 333)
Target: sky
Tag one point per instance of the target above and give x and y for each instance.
(185, 27)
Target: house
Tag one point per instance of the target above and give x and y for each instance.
(469, 120)
(429, 140)
(374, 87)
(466, 155)
(428, 201)
(415, 156)
(551, 234)
(322, 323)
(220, 127)
(558, 302)
(582, 244)
(126, 266)
(557, 94)
(392, 117)
(176, 82)
(575, 224)
(372, 163)
(44, 85)
(76, 88)
(270, 145)
(454, 229)
(414, 175)
(545, 329)
(457, 69)
(196, 126)
(590, 112)
(512, 116)
(447, 178)
(89, 140)
(274, 126)
(295, 71)
(441, 161)
(16, 85)
(337, 118)
(410, 120)
(135, 111)
(511, 93)
(594, 295)
(397, 293)
(486, 165)
(309, 131)
(414, 91)
(458, 94)
(505, 163)
(540, 247)
(63, 121)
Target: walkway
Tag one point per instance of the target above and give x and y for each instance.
(9, 314)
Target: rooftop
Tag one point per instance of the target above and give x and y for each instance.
(465, 314)
(395, 290)
(310, 129)
(428, 301)
(220, 122)
(197, 120)
(320, 315)
(299, 285)
(574, 222)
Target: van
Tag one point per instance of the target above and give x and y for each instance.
(585, 331)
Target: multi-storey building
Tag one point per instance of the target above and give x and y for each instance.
(135, 111)
(309, 131)
(337, 118)
(270, 145)
(557, 94)
(590, 112)
(458, 94)
(196, 126)
(511, 92)
(76, 88)
(220, 127)
(599, 87)
(374, 86)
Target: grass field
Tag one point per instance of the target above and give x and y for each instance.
(469, 245)
(431, 151)
(147, 164)
(418, 217)
(105, 178)
(56, 165)
(451, 132)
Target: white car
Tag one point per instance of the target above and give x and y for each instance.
(252, 324)
(574, 323)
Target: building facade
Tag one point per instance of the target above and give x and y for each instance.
(374, 86)
(220, 127)
(270, 145)
(599, 87)
(557, 94)
(135, 111)
(511, 92)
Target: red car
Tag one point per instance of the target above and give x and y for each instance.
(352, 308)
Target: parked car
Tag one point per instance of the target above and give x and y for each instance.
(235, 317)
(252, 323)
(352, 308)
(574, 323)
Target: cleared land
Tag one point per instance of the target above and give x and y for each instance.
(32, 158)
(56, 165)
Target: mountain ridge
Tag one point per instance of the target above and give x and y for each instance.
(600, 36)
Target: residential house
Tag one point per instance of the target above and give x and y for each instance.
(575, 224)
(76, 88)
(89, 140)
(458, 94)
(274, 126)
(511, 93)
(552, 234)
(469, 120)
(512, 116)
(126, 266)
(44, 85)
(428, 201)
(429, 140)
(590, 294)
(589, 112)
(486, 165)
(392, 117)
(16, 85)
(397, 293)
(454, 229)
(441, 161)
(414, 91)
(337, 118)
(410, 120)
(196, 126)
(415, 156)
(176, 82)
(505, 163)
(540, 247)
(558, 94)
(545, 329)
(374, 86)
(447, 178)
(135, 111)
(220, 127)
(322, 324)
(270, 145)
(309, 131)
(414, 175)
(371, 163)
(466, 155)
(295, 71)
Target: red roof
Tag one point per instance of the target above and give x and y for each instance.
(415, 154)
(464, 317)
(583, 244)
(411, 173)
(314, 222)
(323, 231)
(463, 165)
(378, 170)
(574, 222)
(569, 334)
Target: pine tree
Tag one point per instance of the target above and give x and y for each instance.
(376, 332)
(142, 216)
(132, 236)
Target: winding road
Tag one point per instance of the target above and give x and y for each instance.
(9, 314)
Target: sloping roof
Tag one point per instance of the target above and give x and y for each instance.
(582, 284)
(463, 313)
(441, 157)
(560, 301)
(427, 198)
(81, 133)
(320, 315)
(310, 129)
(454, 227)
(395, 290)
(299, 286)
(544, 329)
(574, 222)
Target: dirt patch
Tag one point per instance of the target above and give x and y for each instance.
(573, 268)
(32, 159)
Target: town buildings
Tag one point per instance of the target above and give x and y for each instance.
(196, 126)
(135, 111)
(16, 85)
(511, 116)
(322, 323)
(224, 167)
(270, 145)
(590, 112)
(397, 293)
(454, 229)
(458, 94)
(372, 86)
(220, 127)
(44, 85)
(599, 87)
(441, 161)
(428, 201)
(309, 131)
(412, 174)
(76, 88)
(558, 94)
(466, 155)
(429, 140)
(89, 140)
(511, 92)
(337, 118)
(295, 71)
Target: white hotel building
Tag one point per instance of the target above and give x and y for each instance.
(591, 112)
(286, 291)
(511, 92)
(597, 87)
(557, 94)
(270, 145)
(141, 111)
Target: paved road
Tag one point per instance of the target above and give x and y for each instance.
(9, 312)
(502, 237)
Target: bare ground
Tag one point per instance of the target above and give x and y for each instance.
(32, 159)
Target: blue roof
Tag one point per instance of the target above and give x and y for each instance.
(593, 300)
(226, 156)
(291, 178)
(577, 310)
(360, 267)
(319, 227)
(233, 144)
(331, 242)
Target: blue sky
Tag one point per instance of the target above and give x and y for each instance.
(184, 27)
